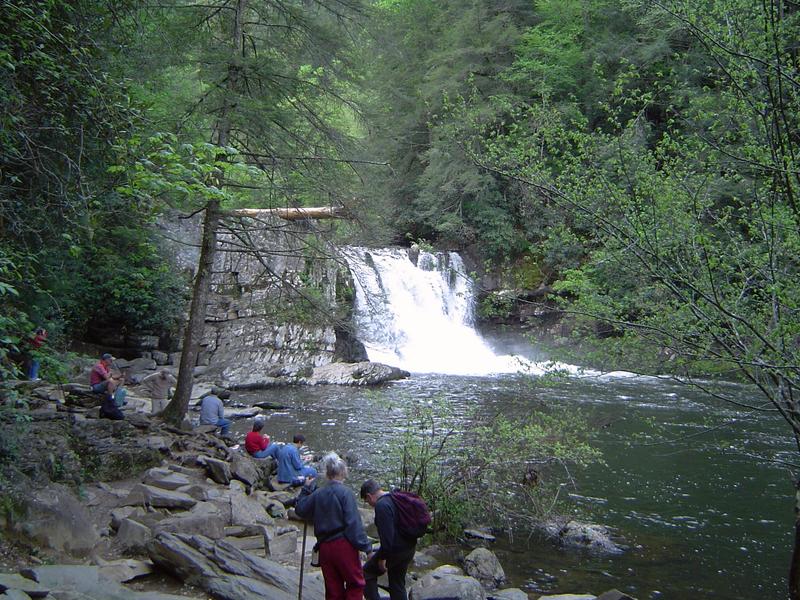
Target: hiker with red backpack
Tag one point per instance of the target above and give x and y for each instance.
(401, 518)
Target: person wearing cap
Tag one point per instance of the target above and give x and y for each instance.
(257, 444)
(290, 466)
(100, 379)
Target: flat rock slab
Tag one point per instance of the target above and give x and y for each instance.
(225, 572)
(165, 479)
(20, 583)
(126, 569)
(160, 498)
(79, 582)
(14, 595)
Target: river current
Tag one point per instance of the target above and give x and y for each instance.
(700, 516)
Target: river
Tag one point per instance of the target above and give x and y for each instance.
(700, 517)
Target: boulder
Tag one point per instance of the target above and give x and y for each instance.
(14, 594)
(243, 468)
(135, 366)
(218, 470)
(225, 572)
(482, 564)
(123, 512)
(198, 492)
(132, 536)
(283, 544)
(125, 569)
(54, 518)
(614, 595)
(246, 510)
(360, 373)
(577, 534)
(569, 597)
(209, 525)
(159, 443)
(165, 479)
(445, 586)
(21, 584)
(81, 582)
(508, 594)
(145, 494)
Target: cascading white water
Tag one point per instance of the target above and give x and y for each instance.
(420, 316)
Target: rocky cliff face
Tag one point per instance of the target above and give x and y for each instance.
(280, 297)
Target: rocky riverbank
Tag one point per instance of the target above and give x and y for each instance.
(136, 509)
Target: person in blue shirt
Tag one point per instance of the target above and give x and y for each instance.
(290, 466)
(338, 528)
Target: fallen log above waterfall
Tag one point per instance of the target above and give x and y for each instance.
(290, 213)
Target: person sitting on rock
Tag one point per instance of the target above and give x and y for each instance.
(213, 413)
(110, 410)
(257, 444)
(290, 466)
(100, 379)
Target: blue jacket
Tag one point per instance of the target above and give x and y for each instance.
(335, 514)
(289, 463)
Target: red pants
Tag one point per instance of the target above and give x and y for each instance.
(341, 568)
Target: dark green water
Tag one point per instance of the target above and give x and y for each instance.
(702, 518)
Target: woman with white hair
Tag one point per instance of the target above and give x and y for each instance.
(338, 528)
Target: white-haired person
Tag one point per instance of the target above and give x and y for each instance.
(338, 528)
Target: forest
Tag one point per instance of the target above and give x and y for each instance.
(632, 164)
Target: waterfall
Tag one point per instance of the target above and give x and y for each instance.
(420, 316)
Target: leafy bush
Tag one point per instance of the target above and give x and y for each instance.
(517, 476)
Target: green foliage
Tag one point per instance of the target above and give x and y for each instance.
(516, 476)
(495, 306)
(14, 323)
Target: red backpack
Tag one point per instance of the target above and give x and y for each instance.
(413, 516)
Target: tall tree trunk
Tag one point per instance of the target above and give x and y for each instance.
(177, 408)
(193, 335)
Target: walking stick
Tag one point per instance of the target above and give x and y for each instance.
(302, 561)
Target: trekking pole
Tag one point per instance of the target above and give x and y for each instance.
(302, 561)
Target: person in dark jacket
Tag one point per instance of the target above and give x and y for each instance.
(110, 410)
(396, 550)
(338, 528)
